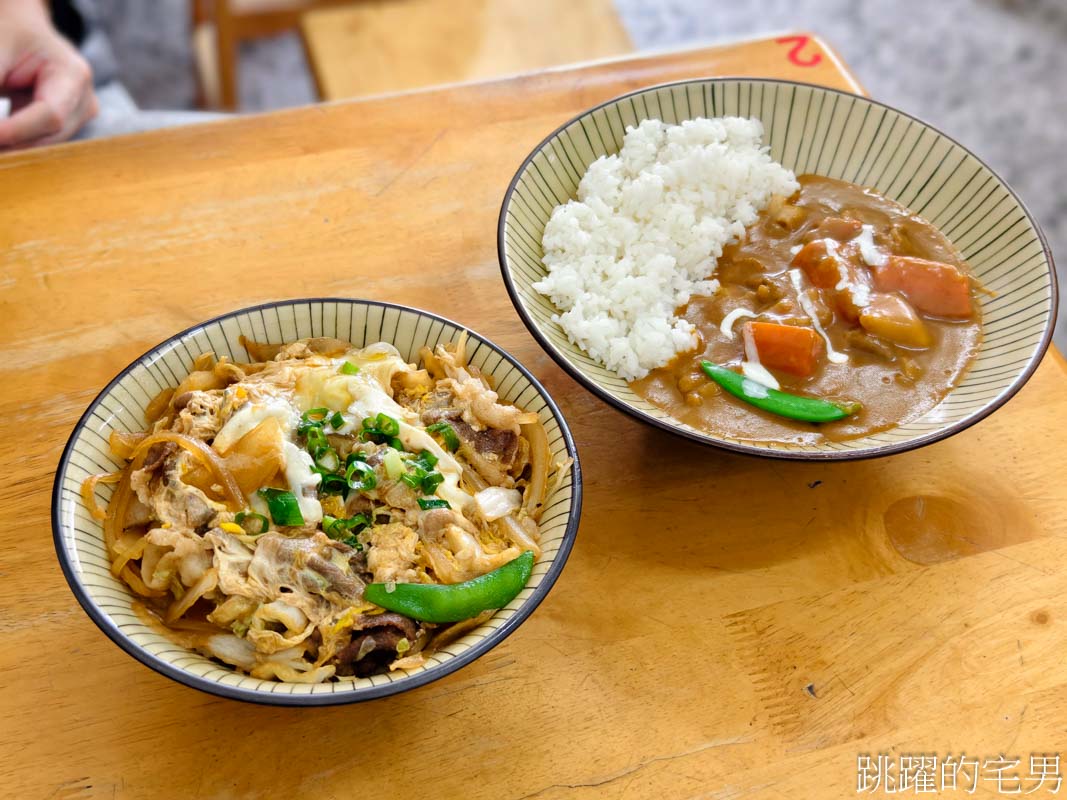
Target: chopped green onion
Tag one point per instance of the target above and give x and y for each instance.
(316, 440)
(337, 421)
(414, 474)
(333, 524)
(394, 464)
(369, 433)
(264, 524)
(315, 415)
(283, 505)
(382, 429)
(416, 467)
(327, 459)
(304, 427)
(355, 455)
(426, 503)
(367, 480)
(420, 474)
(387, 425)
(427, 460)
(345, 530)
(448, 435)
(333, 484)
(431, 482)
(348, 368)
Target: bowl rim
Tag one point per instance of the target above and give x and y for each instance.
(754, 449)
(356, 695)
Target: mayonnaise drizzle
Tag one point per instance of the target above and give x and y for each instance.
(859, 292)
(727, 324)
(754, 388)
(805, 303)
(249, 416)
(753, 369)
(301, 480)
(871, 253)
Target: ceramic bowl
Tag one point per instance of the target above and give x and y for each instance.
(811, 129)
(120, 406)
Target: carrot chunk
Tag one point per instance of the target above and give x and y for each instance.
(828, 271)
(789, 348)
(817, 263)
(891, 318)
(932, 287)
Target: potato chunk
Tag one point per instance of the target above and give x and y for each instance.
(892, 319)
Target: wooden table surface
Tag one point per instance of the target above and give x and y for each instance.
(725, 627)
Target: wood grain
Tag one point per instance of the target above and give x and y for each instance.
(382, 46)
(920, 597)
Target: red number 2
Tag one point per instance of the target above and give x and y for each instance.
(798, 43)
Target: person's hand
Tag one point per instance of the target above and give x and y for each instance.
(50, 84)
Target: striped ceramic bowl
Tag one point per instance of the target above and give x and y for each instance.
(811, 129)
(121, 405)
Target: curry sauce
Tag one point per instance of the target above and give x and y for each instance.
(884, 298)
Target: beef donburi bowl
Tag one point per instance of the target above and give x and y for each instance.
(322, 502)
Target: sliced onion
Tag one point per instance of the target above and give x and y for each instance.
(127, 548)
(431, 363)
(496, 502)
(514, 530)
(291, 617)
(259, 352)
(157, 406)
(233, 650)
(204, 361)
(205, 455)
(133, 580)
(123, 444)
(473, 479)
(540, 458)
(89, 492)
(116, 510)
(208, 581)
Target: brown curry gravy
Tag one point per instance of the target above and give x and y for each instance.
(893, 383)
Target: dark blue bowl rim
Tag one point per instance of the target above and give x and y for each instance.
(341, 697)
(753, 449)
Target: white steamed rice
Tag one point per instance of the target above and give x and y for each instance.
(646, 231)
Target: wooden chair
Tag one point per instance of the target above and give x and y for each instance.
(382, 46)
(220, 26)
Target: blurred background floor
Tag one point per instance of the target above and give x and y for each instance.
(987, 72)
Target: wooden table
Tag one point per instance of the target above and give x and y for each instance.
(378, 46)
(725, 627)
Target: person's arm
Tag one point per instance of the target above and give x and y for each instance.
(37, 63)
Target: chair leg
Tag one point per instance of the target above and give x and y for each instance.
(226, 42)
(201, 12)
